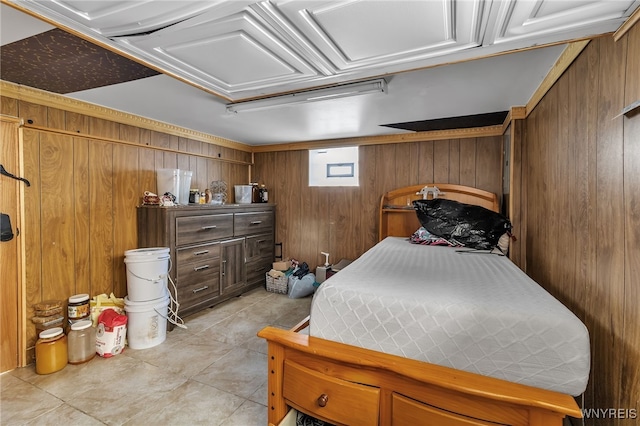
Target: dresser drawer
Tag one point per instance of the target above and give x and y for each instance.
(259, 246)
(197, 229)
(256, 270)
(252, 223)
(198, 253)
(330, 398)
(406, 411)
(198, 281)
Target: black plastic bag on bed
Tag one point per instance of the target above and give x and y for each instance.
(469, 225)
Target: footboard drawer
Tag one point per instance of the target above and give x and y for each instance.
(329, 398)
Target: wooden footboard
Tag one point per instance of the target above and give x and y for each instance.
(343, 384)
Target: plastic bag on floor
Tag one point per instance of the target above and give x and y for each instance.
(301, 287)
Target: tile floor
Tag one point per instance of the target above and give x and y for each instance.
(213, 373)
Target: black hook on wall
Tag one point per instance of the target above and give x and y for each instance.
(4, 172)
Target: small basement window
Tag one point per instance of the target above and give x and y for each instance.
(334, 167)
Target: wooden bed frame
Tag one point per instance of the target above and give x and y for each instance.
(344, 384)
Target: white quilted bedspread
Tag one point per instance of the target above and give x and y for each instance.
(473, 312)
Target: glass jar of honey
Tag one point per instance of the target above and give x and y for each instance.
(51, 351)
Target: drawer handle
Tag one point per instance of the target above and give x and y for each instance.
(200, 268)
(260, 241)
(256, 222)
(323, 399)
(197, 290)
(198, 253)
(206, 228)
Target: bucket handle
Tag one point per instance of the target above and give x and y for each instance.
(159, 277)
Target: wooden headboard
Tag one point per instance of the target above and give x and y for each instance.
(397, 217)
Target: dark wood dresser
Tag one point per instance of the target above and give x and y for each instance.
(217, 252)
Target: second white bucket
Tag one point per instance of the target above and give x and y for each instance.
(146, 322)
(147, 271)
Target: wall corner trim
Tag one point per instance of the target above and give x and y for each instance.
(566, 58)
(627, 25)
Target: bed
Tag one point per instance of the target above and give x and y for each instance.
(483, 344)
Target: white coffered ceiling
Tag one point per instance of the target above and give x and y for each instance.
(240, 49)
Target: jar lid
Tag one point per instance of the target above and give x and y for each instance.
(78, 298)
(81, 325)
(51, 332)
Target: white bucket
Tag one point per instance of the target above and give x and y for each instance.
(147, 271)
(146, 322)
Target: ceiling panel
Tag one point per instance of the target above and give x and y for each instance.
(535, 19)
(225, 54)
(239, 49)
(113, 18)
(60, 62)
(356, 34)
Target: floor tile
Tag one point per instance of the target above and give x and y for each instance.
(192, 403)
(22, 402)
(240, 372)
(66, 413)
(214, 372)
(248, 414)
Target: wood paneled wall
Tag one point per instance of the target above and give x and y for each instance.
(80, 210)
(344, 221)
(580, 205)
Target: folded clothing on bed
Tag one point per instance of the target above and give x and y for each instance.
(474, 312)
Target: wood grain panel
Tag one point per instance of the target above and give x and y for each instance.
(10, 251)
(8, 106)
(425, 163)
(575, 150)
(183, 159)
(369, 197)
(454, 161)
(516, 212)
(82, 209)
(630, 355)
(129, 133)
(146, 173)
(76, 122)
(33, 113)
(104, 128)
(488, 160)
(126, 196)
(610, 214)
(385, 168)
(467, 162)
(57, 206)
(32, 232)
(101, 224)
(406, 171)
(56, 118)
(441, 162)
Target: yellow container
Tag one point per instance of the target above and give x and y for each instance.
(51, 351)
